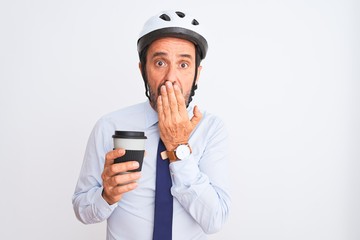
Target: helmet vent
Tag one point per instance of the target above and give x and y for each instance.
(194, 22)
(180, 14)
(175, 24)
(165, 17)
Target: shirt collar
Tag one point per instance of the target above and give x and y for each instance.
(151, 116)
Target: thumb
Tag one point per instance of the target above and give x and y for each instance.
(197, 116)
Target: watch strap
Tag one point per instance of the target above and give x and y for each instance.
(171, 155)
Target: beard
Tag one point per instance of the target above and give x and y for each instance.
(154, 95)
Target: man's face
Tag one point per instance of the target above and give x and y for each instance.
(170, 59)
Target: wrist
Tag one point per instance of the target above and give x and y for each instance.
(106, 198)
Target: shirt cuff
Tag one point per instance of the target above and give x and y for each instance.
(184, 172)
(103, 208)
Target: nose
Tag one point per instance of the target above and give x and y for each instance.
(171, 74)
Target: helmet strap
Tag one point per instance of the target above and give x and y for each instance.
(197, 64)
(142, 57)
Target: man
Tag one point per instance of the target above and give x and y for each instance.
(171, 47)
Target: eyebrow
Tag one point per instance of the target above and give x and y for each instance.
(157, 54)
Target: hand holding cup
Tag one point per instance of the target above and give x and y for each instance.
(123, 165)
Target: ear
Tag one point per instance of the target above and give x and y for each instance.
(198, 74)
(140, 67)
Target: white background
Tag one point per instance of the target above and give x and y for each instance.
(284, 76)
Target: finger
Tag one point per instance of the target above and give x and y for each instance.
(114, 194)
(124, 166)
(165, 102)
(110, 156)
(180, 99)
(117, 168)
(121, 189)
(122, 179)
(160, 109)
(173, 103)
(197, 116)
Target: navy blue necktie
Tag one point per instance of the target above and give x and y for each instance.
(163, 198)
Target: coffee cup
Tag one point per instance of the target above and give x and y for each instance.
(134, 144)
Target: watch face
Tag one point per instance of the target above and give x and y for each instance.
(182, 151)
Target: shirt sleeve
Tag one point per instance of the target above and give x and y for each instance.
(201, 182)
(88, 203)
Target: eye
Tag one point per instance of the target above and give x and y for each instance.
(184, 65)
(160, 63)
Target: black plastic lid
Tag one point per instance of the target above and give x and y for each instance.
(129, 134)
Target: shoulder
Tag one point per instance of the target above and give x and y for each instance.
(126, 111)
(212, 119)
(128, 115)
(211, 124)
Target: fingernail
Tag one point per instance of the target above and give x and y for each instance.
(135, 164)
(168, 83)
(163, 88)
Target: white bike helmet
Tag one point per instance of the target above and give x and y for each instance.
(172, 24)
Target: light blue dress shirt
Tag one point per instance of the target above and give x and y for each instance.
(200, 183)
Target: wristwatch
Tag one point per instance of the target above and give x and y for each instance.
(182, 151)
